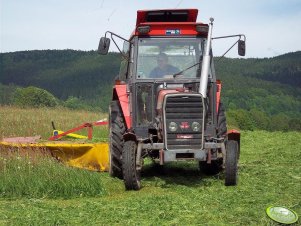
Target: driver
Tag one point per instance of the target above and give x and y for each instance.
(163, 67)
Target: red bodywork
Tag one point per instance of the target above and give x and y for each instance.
(142, 14)
(123, 98)
(186, 27)
(161, 95)
(159, 28)
(234, 135)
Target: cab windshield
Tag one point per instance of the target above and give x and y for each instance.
(160, 58)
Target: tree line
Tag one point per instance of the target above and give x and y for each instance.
(257, 93)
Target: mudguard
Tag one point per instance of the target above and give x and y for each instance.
(234, 135)
(123, 97)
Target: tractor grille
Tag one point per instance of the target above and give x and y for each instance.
(183, 113)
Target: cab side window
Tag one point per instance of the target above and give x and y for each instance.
(124, 61)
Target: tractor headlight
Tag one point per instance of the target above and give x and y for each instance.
(173, 126)
(195, 126)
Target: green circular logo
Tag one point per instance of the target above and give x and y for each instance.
(282, 214)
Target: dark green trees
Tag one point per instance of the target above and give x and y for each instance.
(34, 97)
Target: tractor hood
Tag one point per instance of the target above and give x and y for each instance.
(164, 92)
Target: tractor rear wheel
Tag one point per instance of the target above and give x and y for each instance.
(117, 129)
(221, 121)
(131, 175)
(231, 163)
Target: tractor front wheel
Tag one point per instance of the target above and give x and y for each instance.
(231, 169)
(131, 175)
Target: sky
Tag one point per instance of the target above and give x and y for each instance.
(272, 27)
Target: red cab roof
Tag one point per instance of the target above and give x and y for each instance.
(168, 22)
(166, 15)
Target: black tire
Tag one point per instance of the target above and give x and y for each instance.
(117, 129)
(221, 121)
(131, 176)
(211, 169)
(231, 169)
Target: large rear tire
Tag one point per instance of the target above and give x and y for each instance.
(221, 121)
(131, 175)
(117, 129)
(231, 169)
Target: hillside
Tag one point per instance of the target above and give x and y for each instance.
(272, 85)
(64, 73)
(268, 88)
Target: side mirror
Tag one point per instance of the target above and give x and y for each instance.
(103, 47)
(126, 47)
(241, 48)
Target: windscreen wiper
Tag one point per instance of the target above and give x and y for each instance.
(180, 72)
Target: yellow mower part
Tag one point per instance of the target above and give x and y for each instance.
(73, 135)
(91, 156)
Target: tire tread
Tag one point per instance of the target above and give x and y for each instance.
(117, 129)
(131, 176)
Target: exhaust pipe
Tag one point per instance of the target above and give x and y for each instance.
(206, 63)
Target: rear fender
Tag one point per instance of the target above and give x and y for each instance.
(120, 93)
(234, 135)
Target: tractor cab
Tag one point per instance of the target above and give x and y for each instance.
(169, 41)
(164, 52)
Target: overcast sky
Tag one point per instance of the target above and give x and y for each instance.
(272, 27)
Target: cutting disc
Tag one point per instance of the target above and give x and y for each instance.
(282, 214)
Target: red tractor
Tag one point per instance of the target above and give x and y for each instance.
(166, 98)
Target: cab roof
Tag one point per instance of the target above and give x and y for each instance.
(166, 15)
(168, 22)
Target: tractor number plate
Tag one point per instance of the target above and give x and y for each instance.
(173, 32)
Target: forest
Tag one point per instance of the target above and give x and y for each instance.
(258, 93)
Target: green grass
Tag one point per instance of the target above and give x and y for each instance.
(16, 121)
(35, 174)
(269, 174)
(32, 172)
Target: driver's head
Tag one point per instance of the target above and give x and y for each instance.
(162, 60)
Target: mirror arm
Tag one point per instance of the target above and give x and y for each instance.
(112, 35)
(118, 48)
(227, 51)
(230, 36)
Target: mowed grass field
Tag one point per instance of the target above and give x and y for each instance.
(178, 194)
